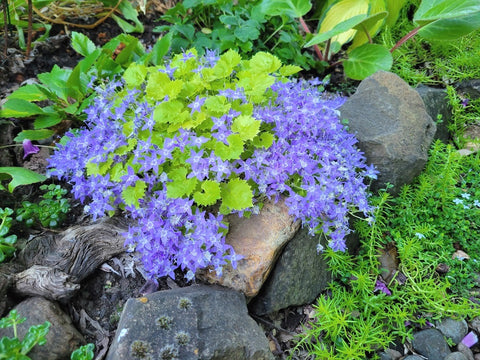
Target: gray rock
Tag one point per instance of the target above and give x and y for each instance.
(431, 344)
(466, 351)
(456, 356)
(196, 322)
(390, 354)
(413, 357)
(453, 329)
(437, 106)
(471, 88)
(62, 337)
(392, 126)
(300, 274)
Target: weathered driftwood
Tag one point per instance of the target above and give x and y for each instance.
(51, 283)
(57, 262)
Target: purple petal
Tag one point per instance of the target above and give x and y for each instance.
(470, 339)
(382, 287)
(29, 148)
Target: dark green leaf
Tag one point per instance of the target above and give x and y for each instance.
(366, 60)
(19, 108)
(82, 44)
(21, 176)
(34, 135)
(451, 29)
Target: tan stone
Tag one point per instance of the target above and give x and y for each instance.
(260, 240)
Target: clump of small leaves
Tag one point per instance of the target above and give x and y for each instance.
(168, 352)
(7, 242)
(84, 352)
(164, 321)
(14, 348)
(182, 338)
(140, 349)
(184, 303)
(170, 144)
(49, 212)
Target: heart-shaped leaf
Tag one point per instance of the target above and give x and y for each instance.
(366, 60)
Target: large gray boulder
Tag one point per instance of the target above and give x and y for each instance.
(197, 322)
(392, 126)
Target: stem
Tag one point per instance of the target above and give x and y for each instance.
(307, 30)
(5, 25)
(29, 31)
(406, 38)
(327, 49)
(13, 145)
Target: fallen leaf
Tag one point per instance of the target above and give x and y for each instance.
(460, 255)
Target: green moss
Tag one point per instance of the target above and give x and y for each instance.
(169, 352)
(184, 303)
(141, 349)
(164, 321)
(182, 338)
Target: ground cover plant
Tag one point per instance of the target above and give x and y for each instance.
(430, 230)
(167, 143)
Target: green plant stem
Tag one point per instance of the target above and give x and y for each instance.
(307, 30)
(29, 29)
(13, 145)
(406, 38)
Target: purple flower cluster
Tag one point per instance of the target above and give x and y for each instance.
(313, 161)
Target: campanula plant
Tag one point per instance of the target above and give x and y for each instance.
(180, 145)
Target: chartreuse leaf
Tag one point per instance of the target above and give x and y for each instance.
(217, 104)
(337, 13)
(20, 176)
(172, 112)
(98, 168)
(366, 60)
(159, 85)
(263, 62)
(255, 84)
(292, 8)
(180, 185)
(264, 139)
(236, 195)
(209, 195)
(225, 65)
(15, 107)
(231, 151)
(29, 92)
(246, 126)
(132, 194)
(135, 74)
(451, 29)
(117, 171)
(287, 70)
(431, 10)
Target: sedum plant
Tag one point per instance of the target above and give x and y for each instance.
(180, 145)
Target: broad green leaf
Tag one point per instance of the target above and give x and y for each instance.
(246, 126)
(339, 12)
(29, 92)
(292, 8)
(236, 194)
(34, 135)
(231, 151)
(135, 74)
(19, 108)
(56, 81)
(254, 84)
(160, 49)
(340, 28)
(393, 8)
(46, 121)
(82, 44)
(431, 10)
(370, 25)
(21, 176)
(366, 60)
(132, 194)
(180, 185)
(225, 65)
(451, 29)
(209, 195)
(98, 168)
(80, 77)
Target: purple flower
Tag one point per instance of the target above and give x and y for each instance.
(380, 285)
(465, 102)
(470, 339)
(196, 105)
(29, 148)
